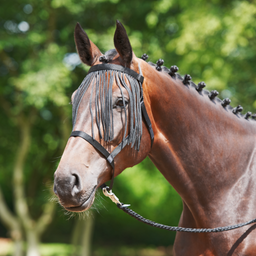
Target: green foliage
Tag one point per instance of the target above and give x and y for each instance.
(46, 79)
(214, 41)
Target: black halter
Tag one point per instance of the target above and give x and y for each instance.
(110, 156)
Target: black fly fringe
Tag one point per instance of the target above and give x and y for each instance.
(91, 107)
(79, 95)
(125, 125)
(101, 105)
(111, 120)
(97, 106)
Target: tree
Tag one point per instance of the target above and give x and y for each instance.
(214, 41)
(24, 118)
(30, 88)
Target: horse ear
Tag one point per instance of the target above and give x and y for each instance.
(122, 43)
(87, 50)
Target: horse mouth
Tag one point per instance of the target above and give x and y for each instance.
(87, 203)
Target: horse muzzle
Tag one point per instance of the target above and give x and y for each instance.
(73, 194)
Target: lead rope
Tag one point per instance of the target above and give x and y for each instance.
(124, 207)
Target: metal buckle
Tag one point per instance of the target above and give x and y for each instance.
(112, 196)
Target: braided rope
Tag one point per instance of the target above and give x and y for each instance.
(181, 229)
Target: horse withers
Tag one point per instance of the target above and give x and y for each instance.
(202, 146)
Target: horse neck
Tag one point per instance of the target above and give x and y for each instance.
(200, 147)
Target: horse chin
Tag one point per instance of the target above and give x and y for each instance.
(86, 204)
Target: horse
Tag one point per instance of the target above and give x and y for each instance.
(202, 146)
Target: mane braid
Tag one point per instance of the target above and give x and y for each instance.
(101, 90)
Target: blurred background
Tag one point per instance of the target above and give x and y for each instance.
(212, 40)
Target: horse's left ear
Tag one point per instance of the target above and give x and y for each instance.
(87, 50)
(122, 43)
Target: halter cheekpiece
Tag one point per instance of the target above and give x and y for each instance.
(110, 156)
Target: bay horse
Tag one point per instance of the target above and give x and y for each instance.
(202, 146)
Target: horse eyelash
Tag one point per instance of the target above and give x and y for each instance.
(120, 99)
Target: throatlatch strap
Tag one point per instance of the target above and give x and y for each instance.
(128, 71)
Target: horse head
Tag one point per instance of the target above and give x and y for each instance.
(107, 117)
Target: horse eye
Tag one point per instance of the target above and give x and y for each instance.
(121, 104)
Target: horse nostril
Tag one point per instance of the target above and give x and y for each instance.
(76, 188)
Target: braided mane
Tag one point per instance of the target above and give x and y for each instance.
(187, 81)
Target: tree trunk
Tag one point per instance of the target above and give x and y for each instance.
(33, 230)
(18, 247)
(21, 206)
(32, 243)
(16, 235)
(76, 235)
(87, 235)
(82, 236)
(12, 223)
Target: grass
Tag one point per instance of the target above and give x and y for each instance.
(6, 249)
(5, 246)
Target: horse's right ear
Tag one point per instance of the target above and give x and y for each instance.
(122, 43)
(87, 50)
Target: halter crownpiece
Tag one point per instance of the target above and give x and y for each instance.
(101, 69)
(114, 67)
